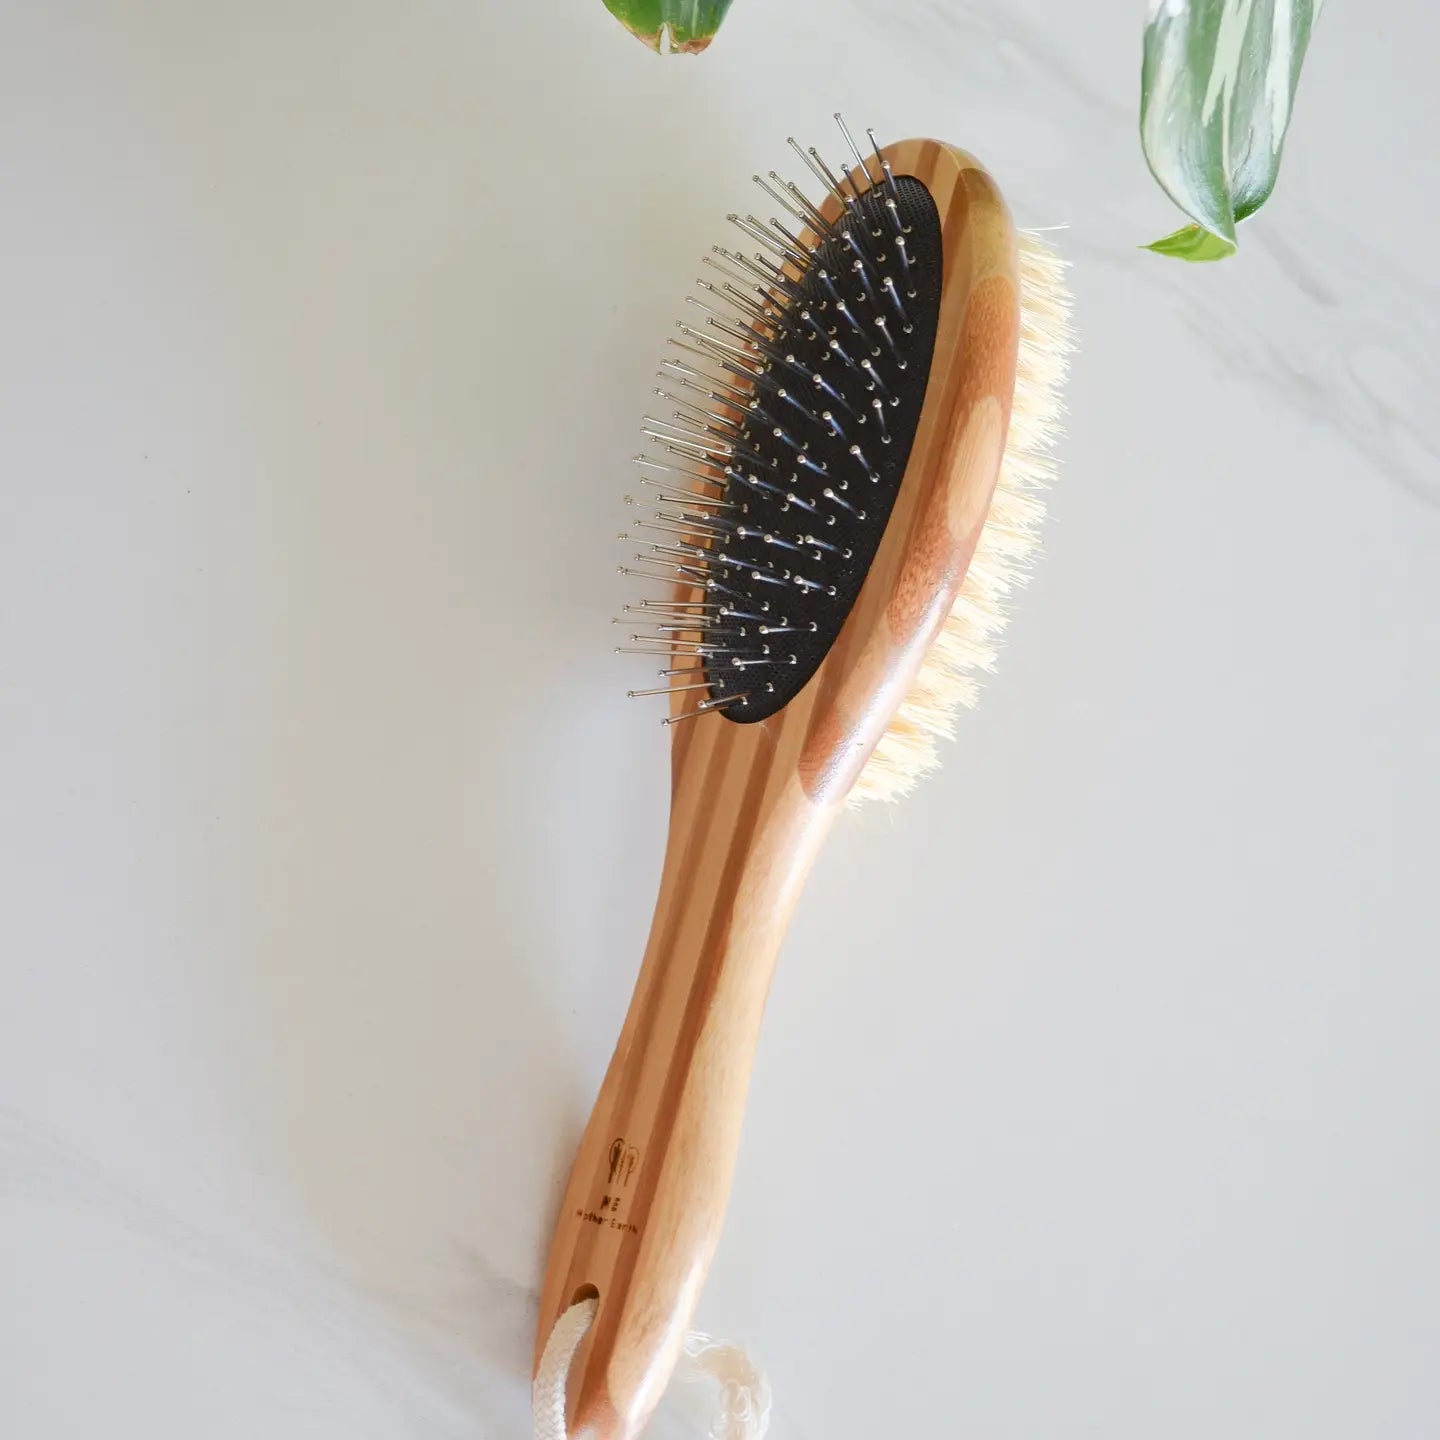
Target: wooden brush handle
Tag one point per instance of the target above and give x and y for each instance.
(646, 1197)
(750, 806)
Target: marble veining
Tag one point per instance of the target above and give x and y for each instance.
(1097, 1089)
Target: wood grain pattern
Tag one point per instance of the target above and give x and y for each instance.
(750, 807)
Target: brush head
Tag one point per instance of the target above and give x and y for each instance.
(798, 389)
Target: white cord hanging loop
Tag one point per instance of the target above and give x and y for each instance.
(743, 1411)
(547, 1391)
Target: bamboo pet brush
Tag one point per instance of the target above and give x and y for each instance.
(844, 495)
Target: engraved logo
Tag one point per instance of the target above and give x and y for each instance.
(623, 1159)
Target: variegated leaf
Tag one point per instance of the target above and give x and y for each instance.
(686, 26)
(1217, 85)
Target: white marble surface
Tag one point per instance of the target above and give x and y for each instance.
(1099, 1088)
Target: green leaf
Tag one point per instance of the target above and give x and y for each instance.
(1193, 242)
(1216, 88)
(686, 26)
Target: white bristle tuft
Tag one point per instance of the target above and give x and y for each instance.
(948, 679)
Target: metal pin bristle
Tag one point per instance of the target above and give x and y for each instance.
(780, 197)
(666, 690)
(705, 707)
(854, 149)
(822, 172)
